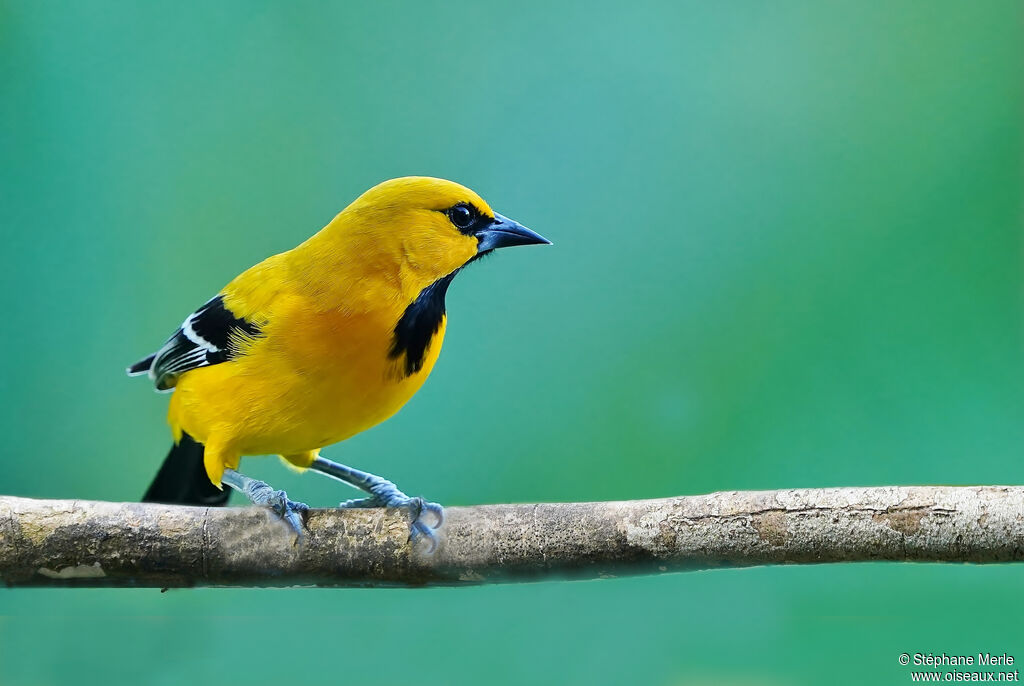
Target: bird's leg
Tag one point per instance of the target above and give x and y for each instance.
(261, 493)
(383, 493)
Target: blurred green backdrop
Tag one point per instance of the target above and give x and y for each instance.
(787, 253)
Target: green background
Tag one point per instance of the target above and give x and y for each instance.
(787, 254)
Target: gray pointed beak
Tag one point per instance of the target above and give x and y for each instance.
(504, 233)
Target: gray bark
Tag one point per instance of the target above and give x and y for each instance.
(84, 543)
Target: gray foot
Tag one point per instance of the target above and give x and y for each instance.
(427, 517)
(261, 493)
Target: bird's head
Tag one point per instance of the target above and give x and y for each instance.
(428, 228)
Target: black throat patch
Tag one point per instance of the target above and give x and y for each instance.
(418, 325)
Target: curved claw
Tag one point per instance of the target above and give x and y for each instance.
(420, 509)
(420, 529)
(436, 510)
(290, 511)
(261, 493)
(427, 517)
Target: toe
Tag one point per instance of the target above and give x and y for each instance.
(427, 518)
(295, 522)
(421, 534)
(290, 511)
(435, 512)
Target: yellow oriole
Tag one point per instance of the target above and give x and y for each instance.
(319, 343)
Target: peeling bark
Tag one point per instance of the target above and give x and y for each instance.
(82, 543)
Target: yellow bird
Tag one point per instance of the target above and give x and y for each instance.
(319, 343)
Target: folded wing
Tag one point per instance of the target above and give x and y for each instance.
(210, 335)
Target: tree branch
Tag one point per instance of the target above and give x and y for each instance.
(84, 543)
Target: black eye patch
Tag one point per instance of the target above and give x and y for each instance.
(467, 218)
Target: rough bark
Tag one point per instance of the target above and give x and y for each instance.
(82, 543)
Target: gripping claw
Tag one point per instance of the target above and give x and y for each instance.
(427, 517)
(261, 493)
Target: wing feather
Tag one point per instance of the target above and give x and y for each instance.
(210, 335)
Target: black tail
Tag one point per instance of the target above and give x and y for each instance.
(182, 479)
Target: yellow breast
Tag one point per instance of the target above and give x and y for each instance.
(314, 379)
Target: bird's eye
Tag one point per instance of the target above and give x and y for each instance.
(462, 216)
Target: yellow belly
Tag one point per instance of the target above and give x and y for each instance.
(313, 380)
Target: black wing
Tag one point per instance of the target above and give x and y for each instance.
(210, 335)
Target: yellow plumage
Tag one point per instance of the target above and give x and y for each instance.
(321, 368)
